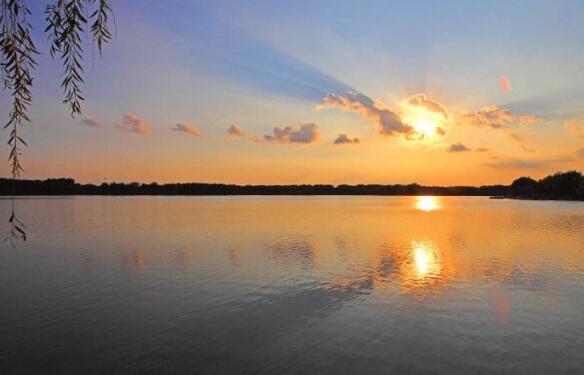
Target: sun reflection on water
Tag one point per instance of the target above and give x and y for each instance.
(425, 259)
(427, 203)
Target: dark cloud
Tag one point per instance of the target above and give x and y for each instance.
(235, 131)
(389, 122)
(344, 139)
(516, 164)
(458, 147)
(184, 127)
(91, 121)
(301, 133)
(527, 164)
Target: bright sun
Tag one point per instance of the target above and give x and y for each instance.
(425, 127)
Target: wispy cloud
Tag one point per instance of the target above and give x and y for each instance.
(496, 118)
(235, 131)
(575, 127)
(251, 61)
(482, 149)
(580, 153)
(504, 84)
(421, 100)
(343, 139)
(184, 127)
(91, 121)
(389, 122)
(527, 164)
(458, 147)
(301, 133)
(516, 164)
(134, 124)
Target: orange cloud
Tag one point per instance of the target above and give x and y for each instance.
(496, 118)
(186, 128)
(505, 84)
(301, 133)
(344, 139)
(133, 123)
(235, 131)
(575, 127)
(421, 100)
(389, 122)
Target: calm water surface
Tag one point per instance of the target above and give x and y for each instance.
(267, 285)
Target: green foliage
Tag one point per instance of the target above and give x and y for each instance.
(66, 24)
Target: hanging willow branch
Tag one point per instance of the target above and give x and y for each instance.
(66, 24)
(18, 62)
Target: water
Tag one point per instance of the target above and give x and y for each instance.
(252, 285)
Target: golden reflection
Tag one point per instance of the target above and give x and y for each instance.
(427, 203)
(425, 259)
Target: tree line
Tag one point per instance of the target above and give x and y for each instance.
(559, 186)
(567, 186)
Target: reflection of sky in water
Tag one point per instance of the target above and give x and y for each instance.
(270, 284)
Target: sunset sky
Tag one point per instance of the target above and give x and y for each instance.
(445, 93)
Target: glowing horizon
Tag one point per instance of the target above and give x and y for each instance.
(274, 94)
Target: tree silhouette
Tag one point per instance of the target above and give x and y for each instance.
(565, 186)
(523, 186)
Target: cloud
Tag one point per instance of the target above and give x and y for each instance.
(458, 147)
(575, 127)
(580, 153)
(389, 122)
(482, 149)
(301, 133)
(505, 84)
(186, 128)
(496, 118)
(527, 164)
(421, 100)
(516, 164)
(91, 121)
(235, 131)
(133, 123)
(344, 139)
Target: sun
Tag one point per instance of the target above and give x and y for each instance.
(425, 127)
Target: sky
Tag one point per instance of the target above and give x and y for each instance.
(273, 92)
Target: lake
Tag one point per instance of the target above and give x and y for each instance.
(268, 285)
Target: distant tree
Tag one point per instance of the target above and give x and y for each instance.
(523, 186)
(566, 185)
(66, 25)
